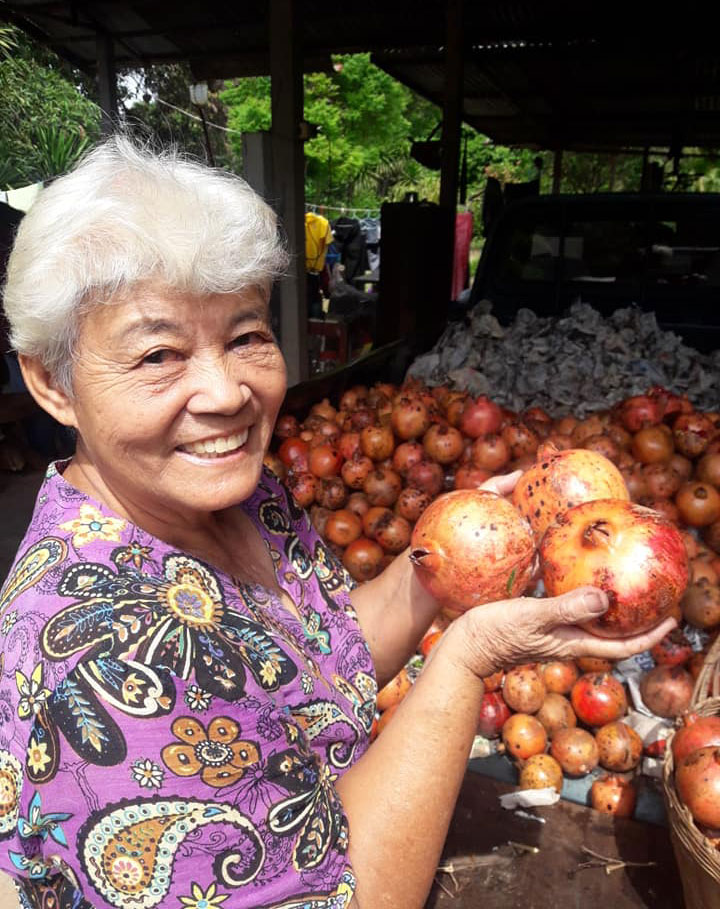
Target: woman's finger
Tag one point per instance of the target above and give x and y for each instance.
(585, 644)
(572, 608)
(504, 484)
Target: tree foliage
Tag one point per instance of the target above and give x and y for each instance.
(47, 118)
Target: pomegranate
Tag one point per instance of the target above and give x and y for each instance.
(363, 559)
(653, 444)
(356, 470)
(666, 690)
(493, 714)
(523, 736)
(541, 771)
(342, 527)
(559, 675)
(558, 480)
(409, 418)
(494, 682)
(695, 732)
(411, 503)
(394, 691)
(613, 795)
(594, 664)
(701, 604)
(286, 426)
(692, 432)
(469, 477)
(556, 713)
(697, 780)
(293, 452)
(523, 690)
(443, 444)
(698, 504)
(480, 417)
(303, 487)
(639, 411)
(575, 750)
(377, 442)
(393, 533)
(405, 455)
(382, 486)
(619, 747)
(632, 553)
(673, 650)
(428, 476)
(470, 547)
(490, 452)
(598, 698)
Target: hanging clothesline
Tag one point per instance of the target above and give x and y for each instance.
(320, 207)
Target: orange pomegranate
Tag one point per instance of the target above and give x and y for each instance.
(470, 546)
(633, 553)
(561, 479)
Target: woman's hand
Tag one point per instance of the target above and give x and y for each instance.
(529, 629)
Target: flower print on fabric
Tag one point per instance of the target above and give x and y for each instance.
(180, 730)
(128, 849)
(180, 621)
(93, 525)
(202, 898)
(218, 754)
(11, 778)
(148, 774)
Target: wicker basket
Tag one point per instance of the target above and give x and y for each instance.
(698, 861)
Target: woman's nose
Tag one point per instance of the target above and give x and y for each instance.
(215, 387)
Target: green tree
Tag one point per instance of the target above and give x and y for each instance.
(47, 118)
(366, 121)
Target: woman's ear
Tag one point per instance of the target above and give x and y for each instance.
(46, 392)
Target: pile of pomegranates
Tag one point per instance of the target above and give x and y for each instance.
(374, 468)
(696, 756)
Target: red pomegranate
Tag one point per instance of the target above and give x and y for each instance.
(620, 748)
(575, 750)
(697, 780)
(493, 714)
(598, 698)
(470, 546)
(673, 650)
(561, 479)
(523, 736)
(696, 732)
(632, 553)
(613, 795)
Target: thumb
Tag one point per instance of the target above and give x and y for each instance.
(575, 606)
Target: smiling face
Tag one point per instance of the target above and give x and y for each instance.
(175, 399)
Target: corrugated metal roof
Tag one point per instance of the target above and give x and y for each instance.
(552, 74)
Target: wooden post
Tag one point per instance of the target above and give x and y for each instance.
(107, 83)
(557, 170)
(288, 179)
(452, 106)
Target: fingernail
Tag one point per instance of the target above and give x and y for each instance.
(596, 602)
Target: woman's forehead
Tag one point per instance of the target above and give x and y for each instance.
(153, 310)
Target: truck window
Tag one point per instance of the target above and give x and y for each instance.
(531, 249)
(685, 251)
(604, 251)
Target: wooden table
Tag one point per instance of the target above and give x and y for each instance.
(550, 879)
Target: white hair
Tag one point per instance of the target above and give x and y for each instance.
(126, 215)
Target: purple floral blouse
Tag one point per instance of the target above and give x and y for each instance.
(171, 736)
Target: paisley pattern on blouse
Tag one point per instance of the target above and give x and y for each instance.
(169, 735)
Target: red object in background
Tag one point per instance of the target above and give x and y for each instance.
(461, 254)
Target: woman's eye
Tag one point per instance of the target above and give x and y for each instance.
(244, 340)
(158, 357)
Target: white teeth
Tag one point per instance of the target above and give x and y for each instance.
(217, 446)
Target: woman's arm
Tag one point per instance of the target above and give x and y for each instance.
(395, 610)
(399, 797)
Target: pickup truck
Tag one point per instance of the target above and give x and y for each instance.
(658, 251)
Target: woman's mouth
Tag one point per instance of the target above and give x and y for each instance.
(216, 448)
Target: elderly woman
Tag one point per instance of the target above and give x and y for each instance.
(187, 676)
